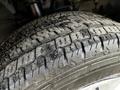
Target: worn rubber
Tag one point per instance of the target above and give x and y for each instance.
(54, 52)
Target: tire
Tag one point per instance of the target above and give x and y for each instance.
(62, 51)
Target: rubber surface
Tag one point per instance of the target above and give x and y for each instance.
(50, 47)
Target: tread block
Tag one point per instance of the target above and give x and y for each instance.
(37, 37)
(76, 36)
(14, 81)
(92, 47)
(2, 75)
(110, 29)
(22, 77)
(13, 52)
(86, 34)
(38, 51)
(10, 69)
(40, 61)
(44, 34)
(97, 31)
(63, 61)
(26, 59)
(63, 41)
(86, 48)
(55, 58)
(96, 48)
(74, 52)
(29, 75)
(61, 31)
(110, 43)
(76, 26)
(106, 22)
(45, 49)
(4, 85)
(92, 23)
(26, 44)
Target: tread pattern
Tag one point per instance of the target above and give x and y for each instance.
(47, 45)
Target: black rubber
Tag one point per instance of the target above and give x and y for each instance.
(53, 52)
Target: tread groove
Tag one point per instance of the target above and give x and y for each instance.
(118, 40)
(102, 44)
(83, 49)
(64, 53)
